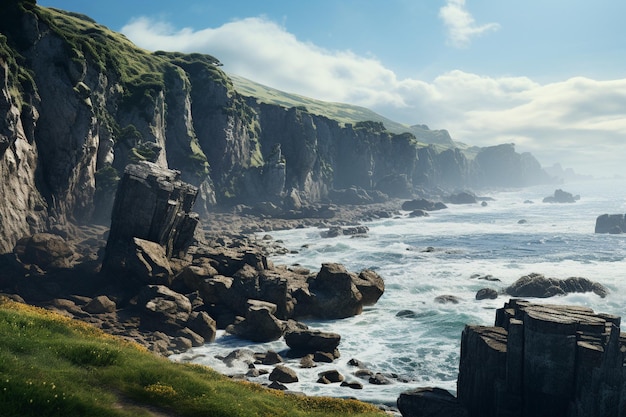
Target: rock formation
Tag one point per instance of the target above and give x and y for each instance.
(151, 221)
(538, 360)
(537, 285)
(611, 223)
(561, 196)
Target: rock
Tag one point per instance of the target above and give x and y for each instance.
(486, 294)
(46, 250)
(163, 308)
(324, 357)
(419, 213)
(422, 204)
(447, 299)
(278, 386)
(611, 223)
(561, 196)
(537, 285)
(430, 402)
(260, 325)
(100, 305)
(195, 338)
(379, 379)
(463, 197)
(271, 358)
(283, 375)
(545, 360)
(334, 292)
(238, 358)
(147, 263)
(352, 196)
(406, 314)
(311, 341)
(203, 324)
(370, 285)
(332, 376)
(352, 384)
(160, 204)
(307, 361)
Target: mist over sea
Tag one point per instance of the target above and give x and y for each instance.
(422, 258)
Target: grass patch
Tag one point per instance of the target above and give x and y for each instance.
(54, 366)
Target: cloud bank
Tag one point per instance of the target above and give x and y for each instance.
(578, 122)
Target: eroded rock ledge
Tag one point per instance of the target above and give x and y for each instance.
(538, 360)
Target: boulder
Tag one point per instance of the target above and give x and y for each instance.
(447, 299)
(100, 305)
(537, 285)
(283, 375)
(561, 196)
(350, 196)
(203, 324)
(305, 341)
(334, 293)
(46, 250)
(611, 223)
(163, 308)
(147, 262)
(370, 285)
(260, 325)
(331, 376)
(430, 402)
(151, 204)
(486, 294)
(422, 204)
(463, 197)
(419, 213)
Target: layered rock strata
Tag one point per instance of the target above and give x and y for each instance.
(538, 360)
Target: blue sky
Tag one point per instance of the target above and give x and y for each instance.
(549, 75)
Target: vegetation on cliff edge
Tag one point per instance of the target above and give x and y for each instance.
(53, 366)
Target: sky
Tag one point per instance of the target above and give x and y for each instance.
(547, 75)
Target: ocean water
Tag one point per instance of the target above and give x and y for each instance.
(422, 258)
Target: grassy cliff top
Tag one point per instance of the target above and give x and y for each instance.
(53, 366)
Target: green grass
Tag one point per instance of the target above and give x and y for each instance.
(54, 366)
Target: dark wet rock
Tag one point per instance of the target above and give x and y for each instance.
(379, 379)
(311, 341)
(463, 197)
(419, 213)
(537, 285)
(486, 294)
(611, 223)
(561, 196)
(278, 386)
(271, 358)
(352, 384)
(406, 314)
(422, 204)
(522, 221)
(283, 375)
(447, 299)
(324, 357)
(430, 402)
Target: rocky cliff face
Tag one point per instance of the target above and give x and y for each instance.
(79, 102)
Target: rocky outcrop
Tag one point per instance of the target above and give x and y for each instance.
(422, 204)
(611, 223)
(537, 285)
(543, 361)
(561, 196)
(538, 360)
(159, 226)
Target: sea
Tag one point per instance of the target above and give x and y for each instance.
(447, 253)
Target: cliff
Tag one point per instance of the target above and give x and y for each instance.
(538, 360)
(78, 102)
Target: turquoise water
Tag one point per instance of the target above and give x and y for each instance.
(557, 240)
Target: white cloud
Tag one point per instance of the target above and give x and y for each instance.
(557, 122)
(461, 25)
